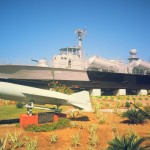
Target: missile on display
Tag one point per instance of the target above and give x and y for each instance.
(21, 93)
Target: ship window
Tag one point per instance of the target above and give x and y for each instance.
(69, 63)
(74, 52)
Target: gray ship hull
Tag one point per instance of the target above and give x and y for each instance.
(42, 77)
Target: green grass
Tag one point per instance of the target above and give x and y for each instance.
(11, 112)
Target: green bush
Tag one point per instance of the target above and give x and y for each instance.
(132, 142)
(135, 116)
(60, 124)
(133, 98)
(127, 104)
(19, 105)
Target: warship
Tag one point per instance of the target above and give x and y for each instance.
(71, 68)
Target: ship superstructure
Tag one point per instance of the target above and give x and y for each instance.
(71, 57)
(70, 67)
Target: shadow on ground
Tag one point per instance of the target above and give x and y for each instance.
(9, 121)
(83, 118)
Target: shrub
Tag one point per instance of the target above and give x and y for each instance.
(133, 98)
(90, 148)
(93, 140)
(15, 140)
(132, 132)
(3, 143)
(73, 125)
(102, 119)
(118, 104)
(127, 104)
(53, 138)
(135, 116)
(99, 114)
(19, 105)
(138, 104)
(127, 143)
(81, 126)
(75, 140)
(147, 109)
(62, 88)
(31, 144)
(114, 129)
(92, 129)
(96, 106)
(75, 114)
(61, 123)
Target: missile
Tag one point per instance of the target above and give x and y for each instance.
(21, 93)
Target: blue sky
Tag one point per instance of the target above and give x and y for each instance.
(39, 28)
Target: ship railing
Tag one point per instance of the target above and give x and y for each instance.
(136, 71)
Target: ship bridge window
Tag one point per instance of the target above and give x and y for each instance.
(63, 51)
(74, 52)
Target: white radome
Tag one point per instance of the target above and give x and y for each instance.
(133, 51)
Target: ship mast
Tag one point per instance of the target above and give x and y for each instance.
(81, 33)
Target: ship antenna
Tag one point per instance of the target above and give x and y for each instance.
(81, 33)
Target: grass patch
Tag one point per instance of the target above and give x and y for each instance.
(11, 112)
(60, 124)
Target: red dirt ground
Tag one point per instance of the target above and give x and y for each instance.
(104, 133)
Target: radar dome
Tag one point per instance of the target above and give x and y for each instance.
(133, 52)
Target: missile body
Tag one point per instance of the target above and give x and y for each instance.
(21, 93)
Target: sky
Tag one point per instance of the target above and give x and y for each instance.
(35, 29)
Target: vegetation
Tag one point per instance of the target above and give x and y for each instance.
(56, 86)
(135, 116)
(75, 139)
(138, 104)
(73, 124)
(147, 109)
(19, 105)
(60, 124)
(93, 139)
(75, 114)
(92, 129)
(3, 143)
(53, 138)
(11, 112)
(31, 144)
(15, 140)
(127, 105)
(114, 129)
(102, 119)
(132, 142)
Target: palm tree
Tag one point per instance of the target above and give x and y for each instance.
(127, 143)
